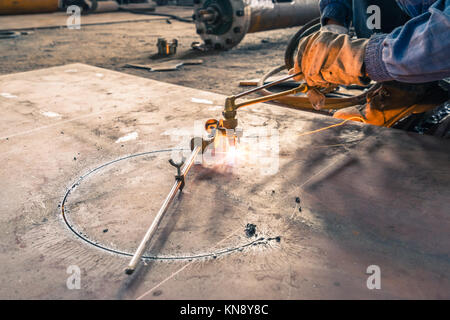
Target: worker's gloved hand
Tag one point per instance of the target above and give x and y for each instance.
(328, 58)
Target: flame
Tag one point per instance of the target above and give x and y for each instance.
(232, 155)
(259, 148)
(224, 152)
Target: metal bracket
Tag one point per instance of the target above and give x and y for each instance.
(179, 176)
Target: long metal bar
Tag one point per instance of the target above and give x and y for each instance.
(302, 88)
(153, 227)
(265, 86)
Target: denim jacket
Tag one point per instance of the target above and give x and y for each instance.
(418, 51)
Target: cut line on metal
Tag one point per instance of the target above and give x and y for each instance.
(259, 241)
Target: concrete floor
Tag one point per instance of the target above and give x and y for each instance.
(59, 19)
(112, 46)
(369, 196)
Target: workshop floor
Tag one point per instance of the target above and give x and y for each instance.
(62, 128)
(112, 46)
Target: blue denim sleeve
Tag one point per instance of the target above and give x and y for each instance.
(339, 10)
(418, 51)
(415, 7)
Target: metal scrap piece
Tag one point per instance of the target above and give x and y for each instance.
(171, 65)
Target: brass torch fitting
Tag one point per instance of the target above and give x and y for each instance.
(229, 113)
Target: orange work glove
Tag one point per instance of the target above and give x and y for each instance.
(326, 58)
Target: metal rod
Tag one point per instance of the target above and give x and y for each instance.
(268, 85)
(302, 88)
(153, 227)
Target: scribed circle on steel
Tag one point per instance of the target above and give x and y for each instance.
(98, 245)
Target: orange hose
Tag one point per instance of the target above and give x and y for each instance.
(332, 126)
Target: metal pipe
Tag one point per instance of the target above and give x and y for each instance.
(153, 227)
(282, 15)
(264, 86)
(302, 88)
(235, 18)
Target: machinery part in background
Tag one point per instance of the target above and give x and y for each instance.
(222, 24)
(94, 6)
(435, 122)
(9, 34)
(106, 6)
(165, 48)
(85, 6)
(28, 6)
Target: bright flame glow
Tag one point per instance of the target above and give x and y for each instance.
(231, 155)
(259, 148)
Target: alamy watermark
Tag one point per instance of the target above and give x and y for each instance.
(73, 22)
(374, 280)
(73, 282)
(374, 20)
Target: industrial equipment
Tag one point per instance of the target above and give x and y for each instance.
(222, 24)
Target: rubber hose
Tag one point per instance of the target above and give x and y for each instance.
(307, 29)
(304, 103)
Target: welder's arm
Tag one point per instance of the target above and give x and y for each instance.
(416, 52)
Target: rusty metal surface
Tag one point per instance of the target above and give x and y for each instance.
(369, 196)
